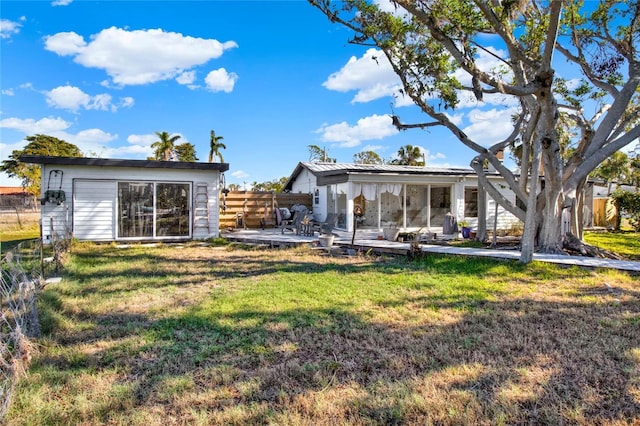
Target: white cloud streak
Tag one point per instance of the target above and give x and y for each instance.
(367, 128)
(140, 56)
(371, 76)
(9, 28)
(72, 98)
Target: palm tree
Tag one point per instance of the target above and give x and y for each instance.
(215, 147)
(164, 146)
(410, 155)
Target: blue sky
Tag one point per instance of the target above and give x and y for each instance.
(271, 77)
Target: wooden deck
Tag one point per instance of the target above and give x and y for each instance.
(366, 240)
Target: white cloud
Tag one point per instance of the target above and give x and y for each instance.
(126, 102)
(91, 136)
(72, 98)
(374, 148)
(67, 97)
(88, 141)
(490, 126)
(240, 174)
(388, 6)
(9, 28)
(139, 56)
(142, 140)
(101, 102)
(187, 77)
(65, 43)
(221, 81)
(456, 119)
(30, 126)
(367, 128)
(61, 2)
(8, 92)
(429, 156)
(370, 75)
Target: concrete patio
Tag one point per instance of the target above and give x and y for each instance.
(368, 240)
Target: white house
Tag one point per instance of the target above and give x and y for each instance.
(128, 200)
(410, 196)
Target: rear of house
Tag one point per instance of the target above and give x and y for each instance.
(409, 197)
(128, 200)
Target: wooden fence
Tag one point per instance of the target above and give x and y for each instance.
(10, 218)
(253, 206)
(600, 212)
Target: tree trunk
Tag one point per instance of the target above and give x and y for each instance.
(481, 234)
(530, 221)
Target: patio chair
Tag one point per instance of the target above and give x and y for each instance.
(298, 214)
(327, 225)
(268, 219)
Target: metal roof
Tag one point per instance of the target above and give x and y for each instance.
(334, 169)
(109, 162)
(326, 168)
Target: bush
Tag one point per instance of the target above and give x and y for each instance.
(628, 203)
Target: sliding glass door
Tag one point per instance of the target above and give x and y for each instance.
(153, 209)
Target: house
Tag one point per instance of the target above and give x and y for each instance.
(412, 197)
(15, 197)
(100, 199)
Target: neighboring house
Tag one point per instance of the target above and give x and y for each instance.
(128, 200)
(412, 197)
(12, 197)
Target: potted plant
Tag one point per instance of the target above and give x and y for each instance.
(466, 229)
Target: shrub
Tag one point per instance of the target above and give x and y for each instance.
(628, 203)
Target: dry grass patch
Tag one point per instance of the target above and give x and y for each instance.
(197, 335)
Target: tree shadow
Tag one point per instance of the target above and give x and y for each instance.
(418, 357)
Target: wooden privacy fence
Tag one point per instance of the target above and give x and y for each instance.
(251, 206)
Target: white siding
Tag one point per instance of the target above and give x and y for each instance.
(505, 219)
(57, 220)
(94, 210)
(305, 183)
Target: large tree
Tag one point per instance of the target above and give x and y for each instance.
(215, 146)
(439, 49)
(164, 146)
(38, 144)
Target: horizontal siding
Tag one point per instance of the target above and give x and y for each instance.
(62, 214)
(93, 210)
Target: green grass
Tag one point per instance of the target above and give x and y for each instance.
(185, 334)
(11, 236)
(624, 243)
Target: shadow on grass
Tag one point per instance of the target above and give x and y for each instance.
(418, 357)
(551, 365)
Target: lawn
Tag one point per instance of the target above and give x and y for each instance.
(12, 235)
(625, 243)
(221, 335)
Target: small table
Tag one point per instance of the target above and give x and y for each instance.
(305, 229)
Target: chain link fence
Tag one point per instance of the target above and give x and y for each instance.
(22, 278)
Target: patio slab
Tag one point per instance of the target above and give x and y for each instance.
(367, 239)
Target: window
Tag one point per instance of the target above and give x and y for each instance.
(471, 202)
(150, 210)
